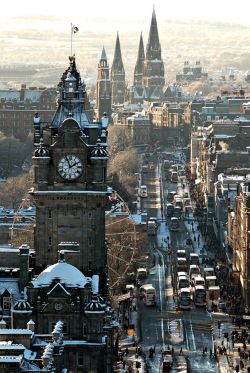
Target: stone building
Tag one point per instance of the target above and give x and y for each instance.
(17, 109)
(191, 73)
(241, 239)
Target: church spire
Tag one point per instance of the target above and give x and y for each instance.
(118, 75)
(117, 65)
(138, 72)
(103, 55)
(153, 46)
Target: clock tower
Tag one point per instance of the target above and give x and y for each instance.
(70, 190)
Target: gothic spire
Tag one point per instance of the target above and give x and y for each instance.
(141, 54)
(138, 72)
(103, 55)
(153, 46)
(117, 65)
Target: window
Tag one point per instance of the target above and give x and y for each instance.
(7, 303)
(80, 359)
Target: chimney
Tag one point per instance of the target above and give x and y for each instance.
(24, 265)
(31, 325)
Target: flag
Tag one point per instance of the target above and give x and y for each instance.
(75, 29)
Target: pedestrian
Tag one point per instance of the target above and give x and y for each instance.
(205, 350)
(181, 351)
(124, 364)
(172, 351)
(210, 353)
(126, 351)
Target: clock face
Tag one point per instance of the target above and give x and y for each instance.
(70, 167)
(58, 306)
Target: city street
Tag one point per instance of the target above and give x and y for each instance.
(164, 325)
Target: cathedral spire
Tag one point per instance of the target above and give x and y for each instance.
(138, 72)
(118, 75)
(153, 46)
(117, 62)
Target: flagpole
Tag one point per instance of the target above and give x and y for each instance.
(71, 31)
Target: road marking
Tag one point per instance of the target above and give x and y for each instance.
(192, 334)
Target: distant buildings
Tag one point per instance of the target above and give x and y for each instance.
(17, 109)
(191, 73)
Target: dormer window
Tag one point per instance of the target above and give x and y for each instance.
(6, 303)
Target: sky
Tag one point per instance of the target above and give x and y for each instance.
(213, 10)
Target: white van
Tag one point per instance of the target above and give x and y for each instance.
(148, 293)
(194, 271)
(182, 282)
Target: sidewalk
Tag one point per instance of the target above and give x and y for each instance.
(131, 358)
(231, 357)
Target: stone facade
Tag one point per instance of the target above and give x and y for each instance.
(241, 239)
(17, 109)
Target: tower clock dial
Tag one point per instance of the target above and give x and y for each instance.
(70, 167)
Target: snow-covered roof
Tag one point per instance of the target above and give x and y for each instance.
(11, 359)
(16, 331)
(12, 286)
(65, 273)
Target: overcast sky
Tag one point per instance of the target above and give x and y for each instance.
(213, 10)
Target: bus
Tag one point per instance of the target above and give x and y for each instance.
(170, 196)
(174, 177)
(144, 191)
(194, 271)
(179, 202)
(141, 276)
(181, 254)
(147, 291)
(181, 265)
(184, 298)
(214, 295)
(177, 212)
(199, 295)
(208, 271)
(199, 281)
(174, 224)
(211, 281)
(169, 210)
(194, 259)
(152, 228)
(182, 282)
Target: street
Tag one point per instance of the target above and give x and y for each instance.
(189, 330)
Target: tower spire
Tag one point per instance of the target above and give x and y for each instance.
(153, 45)
(117, 62)
(138, 72)
(118, 75)
(103, 55)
